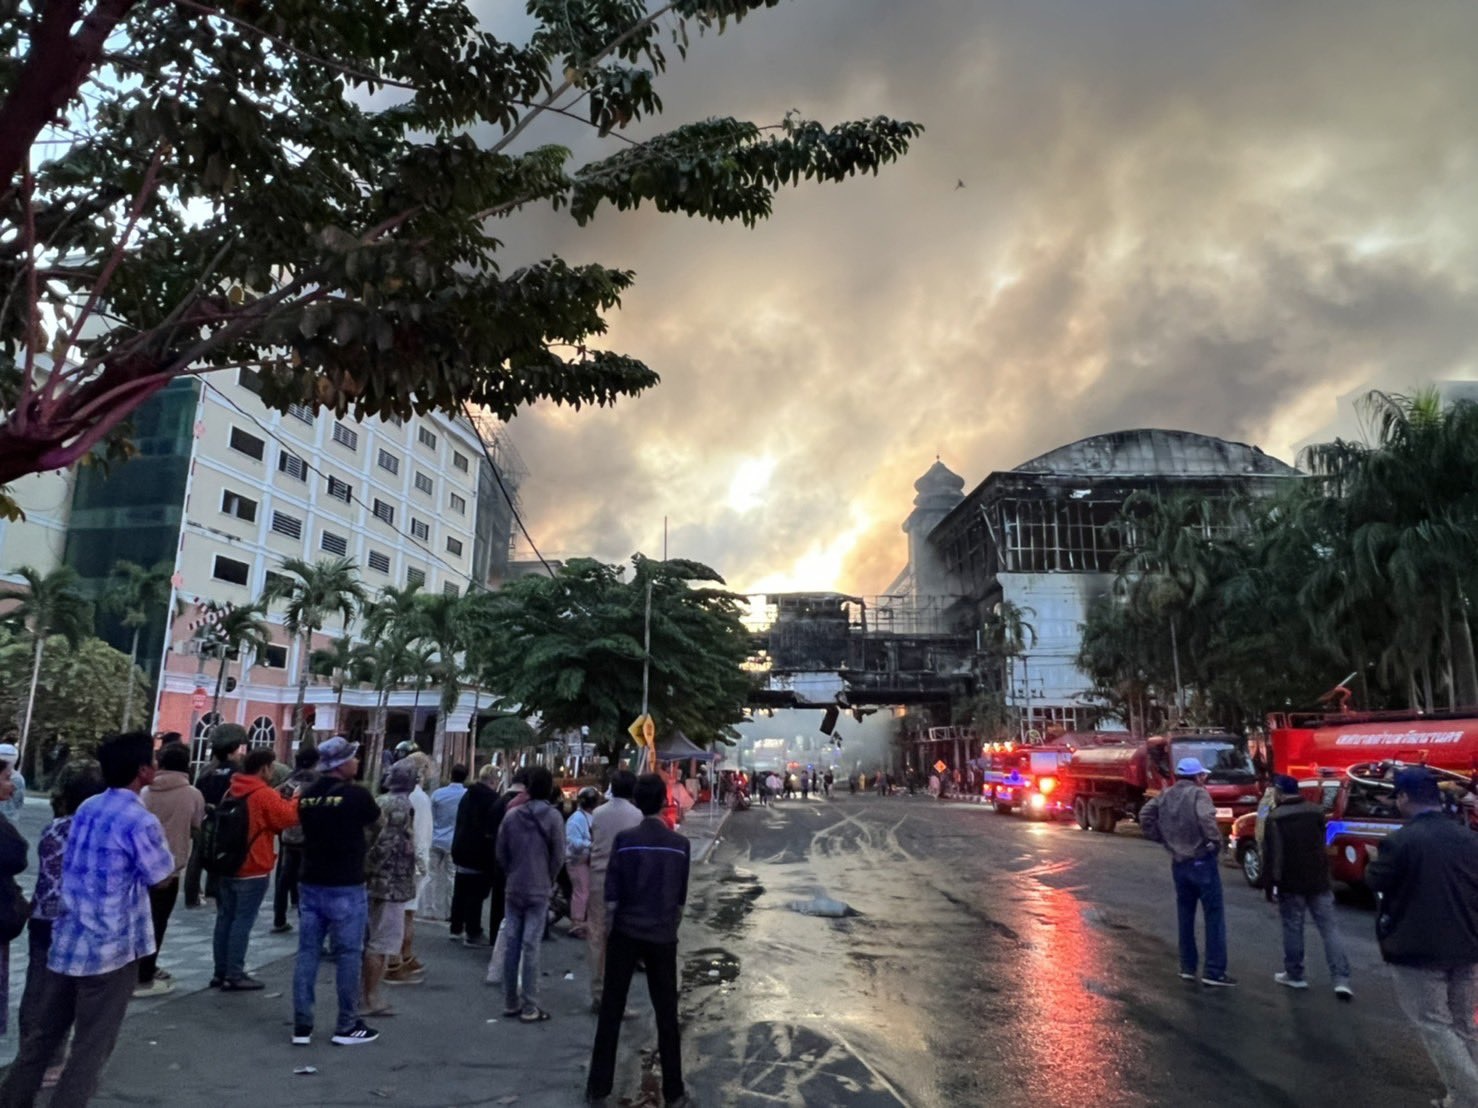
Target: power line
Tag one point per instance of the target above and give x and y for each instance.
(498, 477)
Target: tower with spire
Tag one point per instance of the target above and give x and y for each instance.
(939, 490)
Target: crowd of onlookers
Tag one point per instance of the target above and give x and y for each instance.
(133, 834)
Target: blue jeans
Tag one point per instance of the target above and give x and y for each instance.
(342, 913)
(1291, 906)
(525, 926)
(238, 900)
(1200, 880)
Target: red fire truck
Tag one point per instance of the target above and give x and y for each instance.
(1346, 762)
(1107, 783)
(1024, 778)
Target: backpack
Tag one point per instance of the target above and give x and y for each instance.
(225, 837)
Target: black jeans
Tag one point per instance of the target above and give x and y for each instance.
(622, 954)
(161, 904)
(285, 884)
(93, 1007)
(469, 891)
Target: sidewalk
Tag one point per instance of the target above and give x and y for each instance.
(447, 1045)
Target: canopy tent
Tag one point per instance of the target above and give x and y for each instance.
(677, 747)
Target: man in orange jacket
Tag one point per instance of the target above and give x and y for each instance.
(240, 897)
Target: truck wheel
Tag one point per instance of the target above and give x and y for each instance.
(1250, 858)
(1104, 820)
(1004, 809)
(1080, 812)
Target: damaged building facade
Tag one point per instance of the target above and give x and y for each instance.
(1044, 537)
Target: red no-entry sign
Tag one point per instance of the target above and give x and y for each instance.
(199, 700)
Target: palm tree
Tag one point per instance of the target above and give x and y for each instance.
(341, 661)
(49, 604)
(137, 594)
(385, 664)
(391, 623)
(1011, 635)
(313, 593)
(238, 631)
(442, 626)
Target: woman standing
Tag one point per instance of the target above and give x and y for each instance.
(577, 858)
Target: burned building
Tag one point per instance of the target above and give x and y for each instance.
(1044, 537)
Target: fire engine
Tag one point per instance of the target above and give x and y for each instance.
(1346, 762)
(1024, 777)
(1104, 784)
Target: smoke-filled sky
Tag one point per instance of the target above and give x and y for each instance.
(1175, 213)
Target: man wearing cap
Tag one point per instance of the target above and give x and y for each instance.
(15, 804)
(1426, 876)
(1182, 819)
(335, 813)
(1296, 866)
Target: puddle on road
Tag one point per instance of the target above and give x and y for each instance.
(735, 900)
(710, 966)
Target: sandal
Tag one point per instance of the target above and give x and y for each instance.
(538, 1015)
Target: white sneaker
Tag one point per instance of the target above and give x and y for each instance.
(153, 988)
(1343, 991)
(1290, 982)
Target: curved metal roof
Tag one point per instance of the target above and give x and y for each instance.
(1156, 452)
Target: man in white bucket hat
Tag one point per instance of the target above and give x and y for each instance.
(1182, 819)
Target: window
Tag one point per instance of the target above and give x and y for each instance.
(274, 581)
(249, 445)
(459, 504)
(284, 524)
(423, 483)
(449, 589)
(454, 546)
(414, 576)
(340, 490)
(300, 411)
(335, 544)
(250, 380)
(262, 735)
(389, 462)
(229, 569)
(275, 657)
(292, 465)
(345, 437)
(384, 511)
(459, 460)
(379, 562)
(419, 529)
(234, 504)
(426, 438)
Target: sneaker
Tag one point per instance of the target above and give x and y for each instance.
(281, 928)
(162, 974)
(216, 982)
(1343, 991)
(361, 1032)
(456, 937)
(1187, 975)
(302, 1036)
(153, 988)
(1291, 982)
(242, 984)
(1221, 981)
(472, 940)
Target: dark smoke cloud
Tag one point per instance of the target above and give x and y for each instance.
(1213, 217)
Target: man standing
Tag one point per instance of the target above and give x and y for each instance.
(1183, 820)
(12, 807)
(531, 850)
(390, 881)
(227, 749)
(179, 808)
(444, 802)
(474, 840)
(1426, 875)
(115, 852)
(404, 967)
(290, 843)
(645, 890)
(239, 896)
(1296, 868)
(335, 814)
(606, 822)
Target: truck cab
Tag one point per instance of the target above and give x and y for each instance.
(1231, 776)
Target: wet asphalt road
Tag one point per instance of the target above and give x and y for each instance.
(997, 961)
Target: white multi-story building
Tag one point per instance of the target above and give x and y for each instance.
(39, 540)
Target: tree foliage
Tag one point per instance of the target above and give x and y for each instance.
(320, 190)
(572, 650)
(81, 692)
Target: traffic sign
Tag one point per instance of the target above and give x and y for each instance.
(643, 730)
(940, 766)
(199, 700)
